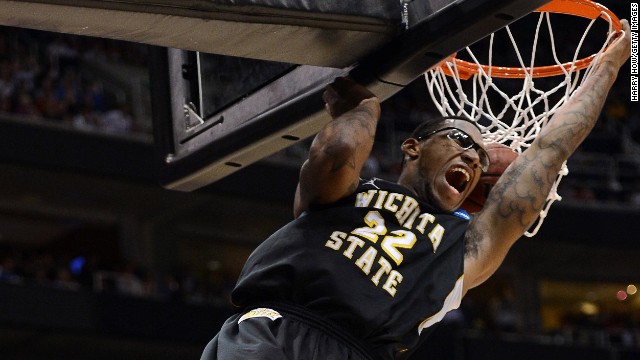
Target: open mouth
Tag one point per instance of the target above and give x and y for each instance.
(458, 178)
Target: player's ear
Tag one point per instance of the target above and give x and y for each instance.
(411, 148)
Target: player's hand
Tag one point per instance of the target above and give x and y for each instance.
(343, 95)
(619, 50)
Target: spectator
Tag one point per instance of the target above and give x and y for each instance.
(8, 270)
(504, 314)
(117, 120)
(64, 280)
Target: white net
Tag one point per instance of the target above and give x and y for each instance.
(511, 105)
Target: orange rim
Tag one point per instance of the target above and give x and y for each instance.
(583, 8)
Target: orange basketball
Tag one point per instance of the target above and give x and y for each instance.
(501, 157)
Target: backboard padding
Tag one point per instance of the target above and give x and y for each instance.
(323, 33)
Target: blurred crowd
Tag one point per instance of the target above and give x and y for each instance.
(605, 329)
(41, 78)
(91, 273)
(498, 315)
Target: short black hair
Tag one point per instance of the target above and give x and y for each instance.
(432, 123)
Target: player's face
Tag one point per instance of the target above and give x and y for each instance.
(448, 172)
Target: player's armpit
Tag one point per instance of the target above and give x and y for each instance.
(482, 256)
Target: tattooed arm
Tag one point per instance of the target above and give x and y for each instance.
(340, 149)
(516, 200)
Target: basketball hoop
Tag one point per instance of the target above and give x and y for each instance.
(509, 107)
(583, 8)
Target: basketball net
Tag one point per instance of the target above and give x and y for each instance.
(508, 105)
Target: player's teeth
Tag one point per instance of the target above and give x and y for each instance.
(466, 174)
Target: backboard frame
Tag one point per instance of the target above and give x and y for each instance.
(291, 109)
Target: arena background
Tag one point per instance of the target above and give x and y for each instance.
(98, 260)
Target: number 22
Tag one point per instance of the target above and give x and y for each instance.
(390, 243)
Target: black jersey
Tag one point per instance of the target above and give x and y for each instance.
(381, 263)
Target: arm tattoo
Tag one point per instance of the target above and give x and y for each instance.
(341, 160)
(357, 129)
(522, 193)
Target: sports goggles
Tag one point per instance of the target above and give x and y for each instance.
(465, 142)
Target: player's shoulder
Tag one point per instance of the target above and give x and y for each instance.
(380, 184)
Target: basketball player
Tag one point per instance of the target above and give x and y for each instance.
(368, 267)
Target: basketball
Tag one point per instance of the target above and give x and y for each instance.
(501, 157)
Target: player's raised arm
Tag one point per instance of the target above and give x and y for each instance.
(341, 148)
(517, 198)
